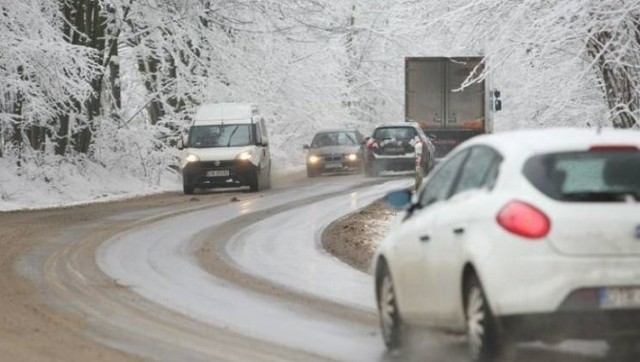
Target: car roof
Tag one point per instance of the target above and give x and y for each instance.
(333, 130)
(397, 124)
(550, 140)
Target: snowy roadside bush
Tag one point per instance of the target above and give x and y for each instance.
(135, 151)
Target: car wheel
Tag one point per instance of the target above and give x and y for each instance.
(390, 323)
(187, 188)
(373, 170)
(623, 349)
(312, 173)
(367, 171)
(482, 331)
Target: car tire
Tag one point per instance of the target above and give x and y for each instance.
(482, 328)
(376, 168)
(388, 313)
(373, 170)
(312, 173)
(623, 349)
(367, 171)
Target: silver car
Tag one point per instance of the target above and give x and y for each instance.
(334, 151)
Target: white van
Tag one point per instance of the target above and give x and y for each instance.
(228, 146)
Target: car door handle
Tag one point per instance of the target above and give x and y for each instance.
(425, 238)
(458, 230)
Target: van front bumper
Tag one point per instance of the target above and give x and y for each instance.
(231, 173)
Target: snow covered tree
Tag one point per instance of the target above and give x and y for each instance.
(577, 60)
(43, 75)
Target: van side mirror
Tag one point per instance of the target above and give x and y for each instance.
(180, 144)
(305, 147)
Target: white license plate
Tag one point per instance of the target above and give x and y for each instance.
(613, 298)
(333, 165)
(218, 173)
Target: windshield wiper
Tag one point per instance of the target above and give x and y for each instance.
(231, 135)
(601, 196)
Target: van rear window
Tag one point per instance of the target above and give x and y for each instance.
(588, 176)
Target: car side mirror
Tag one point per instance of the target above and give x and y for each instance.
(305, 147)
(180, 144)
(399, 200)
(263, 144)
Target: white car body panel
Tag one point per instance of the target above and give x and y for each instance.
(589, 244)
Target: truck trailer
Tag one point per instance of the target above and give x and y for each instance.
(434, 99)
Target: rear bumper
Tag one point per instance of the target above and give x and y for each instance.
(572, 325)
(395, 163)
(240, 173)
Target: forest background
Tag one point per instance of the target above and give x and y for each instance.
(94, 93)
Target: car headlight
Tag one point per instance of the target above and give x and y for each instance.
(352, 157)
(245, 156)
(192, 158)
(314, 159)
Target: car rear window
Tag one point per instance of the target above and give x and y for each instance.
(402, 133)
(588, 176)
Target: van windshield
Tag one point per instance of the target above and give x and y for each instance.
(228, 135)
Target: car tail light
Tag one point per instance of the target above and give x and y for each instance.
(524, 220)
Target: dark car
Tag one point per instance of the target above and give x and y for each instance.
(392, 147)
(334, 151)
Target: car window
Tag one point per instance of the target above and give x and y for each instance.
(586, 176)
(335, 139)
(439, 185)
(321, 140)
(479, 170)
(347, 139)
(403, 133)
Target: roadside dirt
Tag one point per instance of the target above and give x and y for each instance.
(354, 239)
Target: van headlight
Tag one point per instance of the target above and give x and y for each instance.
(314, 159)
(352, 157)
(245, 156)
(192, 158)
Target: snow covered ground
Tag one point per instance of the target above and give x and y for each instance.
(70, 187)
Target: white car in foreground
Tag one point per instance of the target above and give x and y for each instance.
(518, 236)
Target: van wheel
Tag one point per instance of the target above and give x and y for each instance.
(187, 188)
(255, 184)
(267, 183)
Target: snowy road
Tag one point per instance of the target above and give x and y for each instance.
(158, 262)
(210, 279)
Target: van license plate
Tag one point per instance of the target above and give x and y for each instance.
(613, 298)
(333, 165)
(218, 173)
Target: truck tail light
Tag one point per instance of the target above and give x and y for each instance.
(524, 220)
